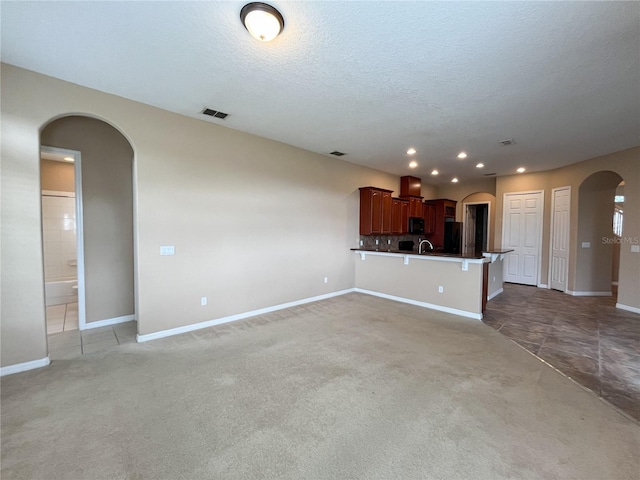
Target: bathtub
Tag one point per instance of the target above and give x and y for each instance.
(61, 290)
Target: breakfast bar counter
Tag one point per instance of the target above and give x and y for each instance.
(452, 283)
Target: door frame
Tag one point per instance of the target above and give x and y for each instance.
(540, 236)
(77, 161)
(552, 232)
(464, 217)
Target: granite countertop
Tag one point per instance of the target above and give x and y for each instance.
(425, 254)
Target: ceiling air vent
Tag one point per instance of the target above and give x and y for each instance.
(506, 143)
(489, 174)
(215, 113)
(337, 153)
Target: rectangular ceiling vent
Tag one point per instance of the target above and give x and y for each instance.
(506, 143)
(489, 174)
(337, 153)
(215, 113)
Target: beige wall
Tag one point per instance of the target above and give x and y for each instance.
(107, 203)
(420, 279)
(255, 223)
(595, 215)
(496, 271)
(625, 163)
(57, 176)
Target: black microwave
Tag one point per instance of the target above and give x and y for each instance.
(416, 225)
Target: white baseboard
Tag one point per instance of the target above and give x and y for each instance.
(109, 321)
(628, 308)
(23, 367)
(543, 285)
(232, 318)
(495, 294)
(589, 294)
(455, 311)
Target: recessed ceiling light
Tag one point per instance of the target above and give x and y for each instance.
(462, 155)
(480, 165)
(454, 180)
(521, 170)
(434, 172)
(413, 164)
(69, 159)
(411, 151)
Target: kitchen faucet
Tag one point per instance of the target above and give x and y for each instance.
(422, 242)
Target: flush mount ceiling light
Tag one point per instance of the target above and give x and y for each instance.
(454, 180)
(413, 164)
(262, 21)
(521, 170)
(480, 165)
(434, 172)
(462, 155)
(411, 151)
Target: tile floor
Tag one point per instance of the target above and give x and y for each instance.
(62, 318)
(73, 343)
(586, 338)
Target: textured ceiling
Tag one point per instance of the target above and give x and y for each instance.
(366, 78)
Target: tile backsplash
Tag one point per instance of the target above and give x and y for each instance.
(389, 242)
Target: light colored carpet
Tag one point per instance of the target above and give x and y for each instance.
(354, 387)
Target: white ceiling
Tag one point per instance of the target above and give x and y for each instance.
(366, 78)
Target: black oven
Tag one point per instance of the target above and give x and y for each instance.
(416, 225)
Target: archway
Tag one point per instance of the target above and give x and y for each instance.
(477, 209)
(595, 240)
(106, 254)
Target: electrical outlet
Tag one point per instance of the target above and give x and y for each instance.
(203, 301)
(635, 248)
(440, 289)
(167, 250)
(389, 241)
(361, 242)
(377, 241)
(586, 244)
(326, 279)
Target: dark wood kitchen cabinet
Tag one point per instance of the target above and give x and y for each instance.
(399, 216)
(415, 205)
(429, 216)
(375, 211)
(439, 211)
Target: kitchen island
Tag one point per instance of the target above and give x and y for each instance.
(450, 283)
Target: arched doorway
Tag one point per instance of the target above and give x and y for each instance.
(477, 235)
(596, 238)
(104, 163)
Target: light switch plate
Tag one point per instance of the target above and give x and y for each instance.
(168, 250)
(586, 244)
(635, 248)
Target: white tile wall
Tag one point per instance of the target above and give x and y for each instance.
(59, 235)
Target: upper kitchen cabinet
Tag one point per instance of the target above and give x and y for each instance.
(410, 186)
(399, 216)
(436, 214)
(375, 211)
(429, 215)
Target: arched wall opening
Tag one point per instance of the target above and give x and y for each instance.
(107, 214)
(595, 251)
(476, 212)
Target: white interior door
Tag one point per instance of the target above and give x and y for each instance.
(561, 198)
(469, 226)
(522, 232)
